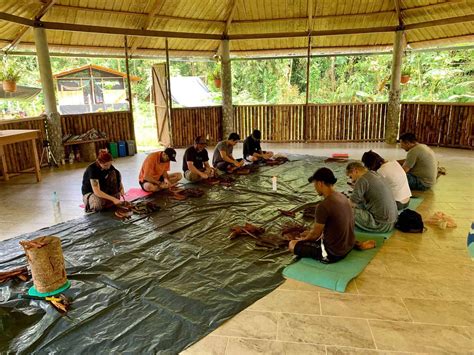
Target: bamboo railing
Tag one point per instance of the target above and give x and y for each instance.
(313, 123)
(188, 123)
(117, 125)
(18, 155)
(441, 124)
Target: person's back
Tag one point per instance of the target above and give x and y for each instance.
(251, 146)
(422, 163)
(396, 179)
(216, 157)
(373, 191)
(336, 213)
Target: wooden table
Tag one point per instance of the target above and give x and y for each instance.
(11, 136)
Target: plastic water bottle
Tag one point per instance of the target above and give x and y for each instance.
(71, 158)
(274, 183)
(56, 207)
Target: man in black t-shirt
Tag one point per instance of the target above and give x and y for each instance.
(252, 149)
(101, 184)
(196, 161)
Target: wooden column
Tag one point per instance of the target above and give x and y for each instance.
(54, 132)
(170, 97)
(393, 113)
(226, 73)
(129, 90)
(306, 107)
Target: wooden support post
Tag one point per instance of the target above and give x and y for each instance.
(170, 98)
(129, 90)
(306, 106)
(393, 114)
(54, 130)
(227, 109)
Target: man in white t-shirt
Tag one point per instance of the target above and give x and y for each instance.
(394, 175)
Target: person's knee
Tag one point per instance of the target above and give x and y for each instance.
(149, 187)
(292, 244)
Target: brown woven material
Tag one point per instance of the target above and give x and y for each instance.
(46, 261)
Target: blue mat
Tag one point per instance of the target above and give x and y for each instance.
(470, 241)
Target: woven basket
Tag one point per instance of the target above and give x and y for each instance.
(45, 258)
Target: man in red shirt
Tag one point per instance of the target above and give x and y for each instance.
(154, 172)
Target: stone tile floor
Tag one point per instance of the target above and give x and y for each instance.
(416, 296)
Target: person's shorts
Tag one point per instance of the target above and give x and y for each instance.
(161, 179)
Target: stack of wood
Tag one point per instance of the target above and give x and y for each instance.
(20, 273)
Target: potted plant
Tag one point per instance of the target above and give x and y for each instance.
(405, 78)
(216, 76)
(9, 75)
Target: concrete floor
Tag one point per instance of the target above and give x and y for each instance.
(416, 296)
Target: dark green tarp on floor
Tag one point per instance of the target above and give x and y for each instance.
(160, 283)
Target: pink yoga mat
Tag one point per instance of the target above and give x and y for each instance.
(131, 194)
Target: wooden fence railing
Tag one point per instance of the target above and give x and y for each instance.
(188, 123)
(117, 125)
(314, 122)
(442, 124)
(18, 155)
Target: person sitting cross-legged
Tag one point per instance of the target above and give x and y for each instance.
(101, 184)
(222, 158)
(332, 236)
(154, 174)
(420, 165)
(252, 149)
(196, 161)
(374, 206)
(393, 174)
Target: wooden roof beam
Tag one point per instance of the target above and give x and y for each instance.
(145, 23)
(41, 12)
(310, 15)
(228, 22)
(218, 37)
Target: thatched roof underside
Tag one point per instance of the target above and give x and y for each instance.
(254, 27)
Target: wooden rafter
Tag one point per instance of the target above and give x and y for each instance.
(221, 22)
(41, 12)
(399, 12)
(228, 21)
(310, 15)
(152, 33)
(147, 21)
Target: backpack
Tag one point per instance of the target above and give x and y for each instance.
(410, 221)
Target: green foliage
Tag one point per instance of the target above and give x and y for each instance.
(9, 71)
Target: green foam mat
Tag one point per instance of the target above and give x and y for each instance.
(34, 292)
(413, 205)
(334, 276)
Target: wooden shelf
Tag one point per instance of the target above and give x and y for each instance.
(83, 142)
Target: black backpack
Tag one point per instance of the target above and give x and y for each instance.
(410, 221)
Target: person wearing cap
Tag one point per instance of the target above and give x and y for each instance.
(374, 205)
(332, 236)
(196, 161)
(154, 174)
(222, 158)
(252, 149)
(101, 184)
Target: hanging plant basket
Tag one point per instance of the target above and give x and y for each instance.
(9, 85)
(218, 82)
(405, 79)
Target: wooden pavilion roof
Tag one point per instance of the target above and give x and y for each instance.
(96, 67)
(254, 27)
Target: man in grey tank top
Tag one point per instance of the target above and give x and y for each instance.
(375, 209)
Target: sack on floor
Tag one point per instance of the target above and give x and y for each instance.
(410, 221)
